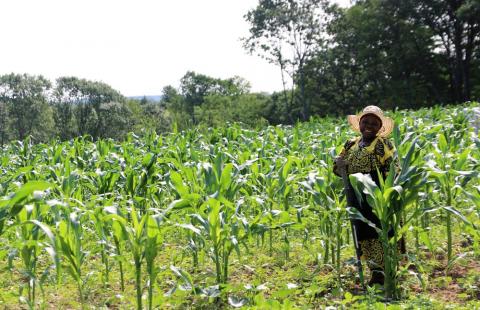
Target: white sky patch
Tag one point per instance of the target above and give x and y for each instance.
(137, 47)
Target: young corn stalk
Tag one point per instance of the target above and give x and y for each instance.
(473, 219)
(133, 233)
(326, 204)
(143, 237)
(111, 221)
(70, 236)
(31, 234)
(192, 194)
(152, 246)
(136, 239)
(101, 229)
(284, 190)
(388, 201)
(224, 229)
(30, 228)
(217, 218)
(451, 173)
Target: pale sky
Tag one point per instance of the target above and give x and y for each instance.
(136, 47)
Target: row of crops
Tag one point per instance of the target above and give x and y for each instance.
(164, 221)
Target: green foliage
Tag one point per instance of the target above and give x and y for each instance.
(287, 34)
(87, 103)
(217, 110)
(332, 61)
(195, 88)
(368, 52)
(232, 216)
(28, 113)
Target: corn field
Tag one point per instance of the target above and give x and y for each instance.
(238, 218)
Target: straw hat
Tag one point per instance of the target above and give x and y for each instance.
(387, 122)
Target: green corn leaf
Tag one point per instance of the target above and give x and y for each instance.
(226, 177)
(179, 204)
(442, 143)
(458, 214)
(185, 276)
(177, 182)
(190, 227)
(23, 193)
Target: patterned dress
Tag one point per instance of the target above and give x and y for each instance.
(367, 159)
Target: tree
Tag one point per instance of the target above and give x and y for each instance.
(176, 110)
(43, 125)
(3, 123)
(28, 110)
(196, 87)
(86, 98)
(154, 115)
(456, 25)
(287, 33)
(115, 120)
(249, 109)
(65, 120)
(374, 51)
(234, 87)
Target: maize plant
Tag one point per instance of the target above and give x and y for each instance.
(211, 217)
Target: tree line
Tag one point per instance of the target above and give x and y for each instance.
(70, 107)
(332, 60)
(391, 53)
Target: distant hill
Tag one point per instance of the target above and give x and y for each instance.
(155, 98)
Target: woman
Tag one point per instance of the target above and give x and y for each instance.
(365, 154)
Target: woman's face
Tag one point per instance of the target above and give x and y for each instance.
(369, 126)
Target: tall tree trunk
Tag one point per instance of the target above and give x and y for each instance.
(472, 33)
(459, 68)
(305, 107)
